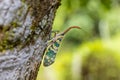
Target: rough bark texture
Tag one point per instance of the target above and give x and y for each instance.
(25, 26)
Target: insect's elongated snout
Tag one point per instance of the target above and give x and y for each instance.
(77, 27)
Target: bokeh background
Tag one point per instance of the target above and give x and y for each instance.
(92, 53)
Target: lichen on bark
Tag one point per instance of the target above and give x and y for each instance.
(25, 17)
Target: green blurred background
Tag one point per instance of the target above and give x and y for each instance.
(92, 53)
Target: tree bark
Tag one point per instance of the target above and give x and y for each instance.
(25, 26)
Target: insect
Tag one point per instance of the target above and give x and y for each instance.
(53, 45)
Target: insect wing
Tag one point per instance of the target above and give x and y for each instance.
(51, 53)
(49, 57)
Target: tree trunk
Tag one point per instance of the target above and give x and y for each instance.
(25, 26)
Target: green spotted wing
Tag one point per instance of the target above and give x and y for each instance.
(51, 52)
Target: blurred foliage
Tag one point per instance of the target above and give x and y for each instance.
(101, 63)
(93, 52)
